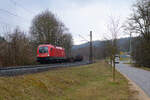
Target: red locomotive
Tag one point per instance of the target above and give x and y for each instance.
(47, 53)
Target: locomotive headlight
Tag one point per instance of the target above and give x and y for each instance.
(48, 54)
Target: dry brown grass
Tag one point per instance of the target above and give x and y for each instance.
(90, 82)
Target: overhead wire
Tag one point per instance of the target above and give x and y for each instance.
(83, 38)
(18, 4)
(12, 14)
(5, 23)
(8, 12)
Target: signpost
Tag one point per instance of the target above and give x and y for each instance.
(115, 61)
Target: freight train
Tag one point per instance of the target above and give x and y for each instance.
(47, 53)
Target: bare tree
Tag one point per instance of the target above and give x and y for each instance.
(44, 26)
(113, 28)
(17, 49)
(139, 24)
(67, 44)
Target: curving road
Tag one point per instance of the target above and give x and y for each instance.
(139, 76)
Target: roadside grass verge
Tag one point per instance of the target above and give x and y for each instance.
(145, 68)
(141, 67)
(88, 82)
(134, 64)
(124, 59)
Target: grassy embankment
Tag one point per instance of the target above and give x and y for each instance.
(90, 82)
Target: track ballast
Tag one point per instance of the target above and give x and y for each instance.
(21, 70)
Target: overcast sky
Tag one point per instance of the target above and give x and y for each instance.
(80, 16)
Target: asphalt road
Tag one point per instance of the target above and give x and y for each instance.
(139, 76)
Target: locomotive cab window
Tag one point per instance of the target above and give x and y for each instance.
(43, 50)
(51, 49)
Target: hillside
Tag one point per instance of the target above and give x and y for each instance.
(95, 43)
(122, 43)
(98, 48)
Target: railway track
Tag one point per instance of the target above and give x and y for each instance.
(21, 70)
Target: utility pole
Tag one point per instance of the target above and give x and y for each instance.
(91, 49)
(130, 46)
